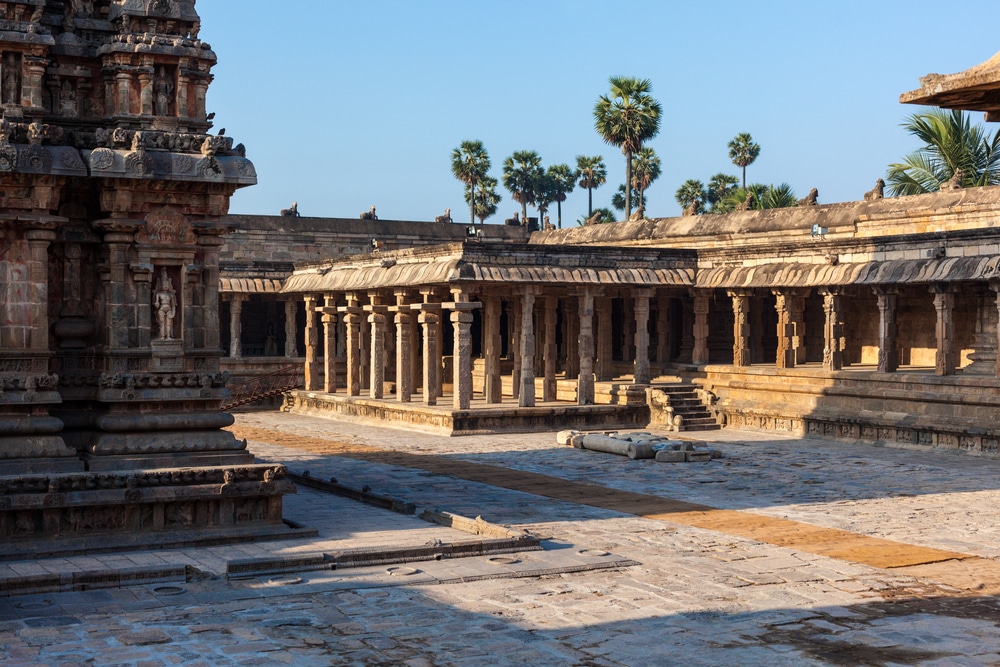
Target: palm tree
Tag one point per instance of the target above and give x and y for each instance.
(618, 200)
(563, 179)
(593, 174)
(691, 191)
(777, 196)
(645, 170)
(486, 196)
(469, 164)
(545, 194)
(521, 173)
(627, 119)
(743, 151)
(719, 187)
(951, 143)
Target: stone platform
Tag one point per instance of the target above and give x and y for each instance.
(480, 418)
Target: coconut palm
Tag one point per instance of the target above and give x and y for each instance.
(469, 164)
(593, 174)
(521, 174)
(951, 143)
(627, 119)
(563, 179)
(743, 151)
(618, 199)
(691, 191)
(645, 170)
(486, 198)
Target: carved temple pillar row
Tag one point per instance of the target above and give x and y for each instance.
(944, 305)
(526, 399)
(641, 371)
(236, 325)
(833, 330)
(700, 308)
(461, 319)
(291, 329)
(572, 338)
(403, 319)
(741, 326)
(492, 381)
(377, 320)
(585, 379)
(605, 345)
(429, 320)
(329, 319)
(550, 350)
(790, 305)
(353, 314)
(663, 338)
(312, 345)
(888, 357)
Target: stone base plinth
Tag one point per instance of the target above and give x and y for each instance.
(43, 515)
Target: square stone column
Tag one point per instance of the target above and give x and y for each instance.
(585, 380)
(888, 358)
(491, 349)
(236, 326)
(404, 364)
(352, 321)
(833, 330)
(461, 318)
(699, 353)
(628, 330)
(514, 316)
(329, 311)
(364, 346)
(312, 343)
(429, 319)
(527, 394)
(944, 304)
(741, 327)
(376, 325)
(605, 347)
(663, 351)
(291, 330)
(572, 338)
(551, 352)
(641, 370)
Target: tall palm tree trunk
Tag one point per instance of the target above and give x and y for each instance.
(472, 206)
(590, 202)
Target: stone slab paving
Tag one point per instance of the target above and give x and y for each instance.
(695, 596)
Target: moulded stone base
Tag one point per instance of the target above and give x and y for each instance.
(169, 460)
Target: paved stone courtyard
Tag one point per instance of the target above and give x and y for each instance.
(610, 587)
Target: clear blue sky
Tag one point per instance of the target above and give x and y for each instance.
(344, 103)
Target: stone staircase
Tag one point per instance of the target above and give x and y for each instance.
(680, 407)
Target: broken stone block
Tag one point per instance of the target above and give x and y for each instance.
(565, 437)
(697, 456)
(670, 456)
(577, 440)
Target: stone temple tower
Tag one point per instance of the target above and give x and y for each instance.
(112, 200)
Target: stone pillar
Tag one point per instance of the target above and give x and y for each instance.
(377, 324)
(146, 93)
(312, 342)
(741, 327)
(329, 319)
(641, 372)
(236, 326)
(365, 351)
(663, 351)
(352, 323)
(526, 398)
(785, 303)
(124, 85)
(34, 75)
(38, 287)
(182, 94)
(888, 359)
(605, 346)
(551, 352)
(439, 351)
(461, 319)
(291, 330)
(514, 316)
(429, 319)
(404, 364)
(211, 242)
(833, 331)
(628, 329)
(572, 338)
(491, 350)
(585, 380)
(944, 304)
(699, 354)
(118, 240)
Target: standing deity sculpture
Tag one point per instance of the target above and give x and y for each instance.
(164, 91)
(165, 305)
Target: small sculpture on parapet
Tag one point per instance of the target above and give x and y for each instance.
(515, 221)
(953, 183)
(878, 192)
(292, 212)
(369, 214)
(444, 218)
(747, 203)
(693, 209)
(810, 199)
(640, 214)
(592, 220)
